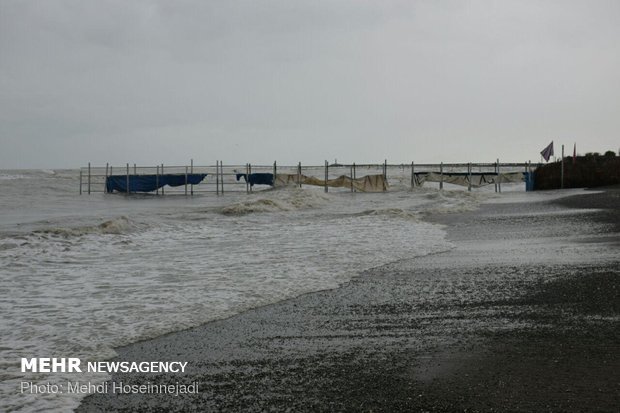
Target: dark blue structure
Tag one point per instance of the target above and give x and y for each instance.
(148, 183)
(529, 181)
(257, 178)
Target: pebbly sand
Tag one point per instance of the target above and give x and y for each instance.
(522, 315)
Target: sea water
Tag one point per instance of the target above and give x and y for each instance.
(82, 274)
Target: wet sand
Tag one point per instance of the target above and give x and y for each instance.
(522, 315)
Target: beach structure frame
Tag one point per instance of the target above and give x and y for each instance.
(221, 178)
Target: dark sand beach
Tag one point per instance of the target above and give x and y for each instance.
(521, 315)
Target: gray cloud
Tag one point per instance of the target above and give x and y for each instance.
(160, 81)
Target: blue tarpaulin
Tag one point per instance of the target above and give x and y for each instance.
(148, 183)
(529, 181)
(257, 178)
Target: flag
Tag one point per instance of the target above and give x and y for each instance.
(547, 152)
(575, 153)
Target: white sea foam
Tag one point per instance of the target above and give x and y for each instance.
(12, 177)
(283, 199)
(120, 225)
(455, 201)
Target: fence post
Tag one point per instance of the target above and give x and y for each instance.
(499, 178)
(89, 178)
(299, 174)
(127, 191)
(157, 180)
(222, 176)
(249, 173)
(275, 171)
(441, 175)
(412, 175)
(81, 180)
(185, 180)
(217, 177)
(562, 170)
(351, 173)
(469, 176)
(191, 188)
(326, 174)
(496, 175)
(105, 184)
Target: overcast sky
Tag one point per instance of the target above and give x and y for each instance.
(305, 80)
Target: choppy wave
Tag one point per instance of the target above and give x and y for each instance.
(120, 225)
(12, 177)
(393, 212)
(286, 199)
(446, 202)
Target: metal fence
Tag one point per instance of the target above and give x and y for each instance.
(221, 178)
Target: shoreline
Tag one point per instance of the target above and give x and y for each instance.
(424, 334)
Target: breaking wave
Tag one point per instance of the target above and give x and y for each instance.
(446, 202)
(116, 226)
(392, 212)
(286, 199)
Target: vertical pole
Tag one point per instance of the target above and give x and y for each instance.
(247, 178)
(127, 191)
(222, 175)
(384, 175)
(562, 170)
(499, 178)
(351, 173)
(162, 173)
(191, 162)
(105, 185)
(412, 175)
(496, 175)
(217, 177)
(185, 180)
(441, 175)
(469, 176)
(326, 175)
(157, 180)
(299, 174)
(135, 169)
(275, 172)
(354, 173)
(248, 175)
(80, 180)
(89, 177)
